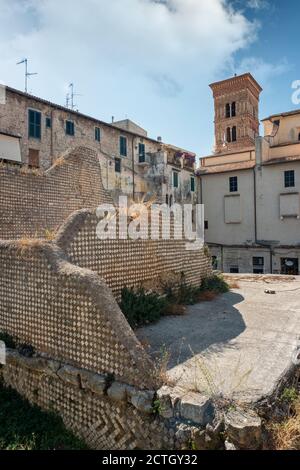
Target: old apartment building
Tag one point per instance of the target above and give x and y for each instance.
(36, 132)
(250, 186)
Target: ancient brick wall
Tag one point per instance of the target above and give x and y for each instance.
(32, 203)
(130, 262)
(67, 313)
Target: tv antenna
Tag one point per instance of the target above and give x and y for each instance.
(27, 74)
(70, 97)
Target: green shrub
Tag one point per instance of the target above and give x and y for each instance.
(141, 307)
(8, 340)
(289, 395)
(188, 295)
(215, 283)
(27, 427)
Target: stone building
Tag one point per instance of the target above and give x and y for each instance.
(250, 186)
(35, 132)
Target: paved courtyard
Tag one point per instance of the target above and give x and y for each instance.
(239, 344)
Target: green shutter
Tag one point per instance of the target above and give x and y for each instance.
(192, 184)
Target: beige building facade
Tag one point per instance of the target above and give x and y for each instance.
(252, 194)
(35, 132)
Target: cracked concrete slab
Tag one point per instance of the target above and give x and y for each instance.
(238, 345)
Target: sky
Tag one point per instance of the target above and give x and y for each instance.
(152, 60)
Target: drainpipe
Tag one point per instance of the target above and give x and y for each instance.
(133, 175)
(52, 131)
(271, 260)
(255, 204)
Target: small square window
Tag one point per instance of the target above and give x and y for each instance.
(258, 261)
(123, 146)
(70, 128)
(48, 122)
(97, 134)
(289, 179)
(118, 165)
(175, 179)
(192, 184)
(233, 184)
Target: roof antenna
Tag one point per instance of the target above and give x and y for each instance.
(27, 74)
(70, 97)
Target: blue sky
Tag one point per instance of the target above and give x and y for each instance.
(152, 60)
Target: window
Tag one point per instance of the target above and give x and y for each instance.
(233, 184)
(234, 134)
(34, 119)
(214, 262)
(118, 165)
(70, 128)
(277, 122)
(97, 134)
(175, 179)
(299, 136)
(230, 110)
(258, 264)
(233, 109)
(206, 225)
(123, 146)
(33, 158)
(234, 270)
(228, 134)
(192, 184)
(289, 179)
(48, 122)
(227, 111)
(141, 153)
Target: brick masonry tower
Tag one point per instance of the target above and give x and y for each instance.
(236, 113)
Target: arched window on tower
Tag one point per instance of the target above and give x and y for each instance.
(233, 109)
(227, 111)
(228, 134)
(234, 134)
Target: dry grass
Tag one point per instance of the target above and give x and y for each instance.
(174, 309)
(59, 162)
(26, 244)
(207, 296)
(286, 434)
(25, 170)
(50, 234)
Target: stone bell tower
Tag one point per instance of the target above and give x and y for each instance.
(236, 113)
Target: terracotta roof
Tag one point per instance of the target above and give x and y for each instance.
(288, 113)
(227, 167)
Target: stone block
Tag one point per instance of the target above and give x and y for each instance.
(118, 391)
(69, 374)
(197, 408)
(244, 429)
(94, 382)
(143, 401)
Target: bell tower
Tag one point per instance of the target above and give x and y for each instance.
(236, 103)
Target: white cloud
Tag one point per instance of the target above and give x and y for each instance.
(263, 71)
(149, 59)
(168, 38)
(258, 4)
